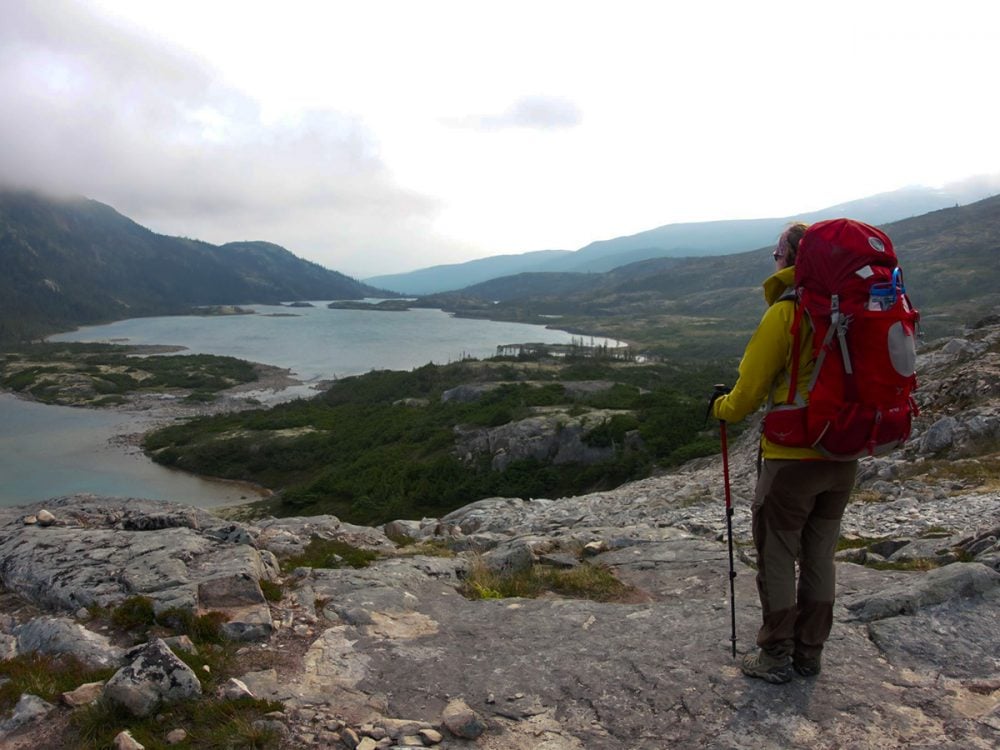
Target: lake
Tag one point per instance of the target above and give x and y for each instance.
(50, 451)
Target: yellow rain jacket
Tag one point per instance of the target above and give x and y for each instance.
(766, 364)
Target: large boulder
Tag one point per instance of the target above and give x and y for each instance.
(154, 676)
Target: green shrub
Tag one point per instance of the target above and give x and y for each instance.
(113, 382)
(611, 431)
(329, 553)
(359, 457)
(135, 612)
(272, 591)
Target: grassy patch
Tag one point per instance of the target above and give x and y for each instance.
(43, 675)
(857, 542)
(272, 591)
(400, 539)
(408, 546)
(919, 564)
(211, 724)
(983, 471)
(201, 397)
(869, 496)
(137, 614)
(329, 553)
(430, 548)
(936, 532)
(206, 628)
(585, 581)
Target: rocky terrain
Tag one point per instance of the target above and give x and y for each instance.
(392, 654)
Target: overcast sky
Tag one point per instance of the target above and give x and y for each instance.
(376, 137)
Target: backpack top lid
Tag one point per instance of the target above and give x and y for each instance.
(832, 252)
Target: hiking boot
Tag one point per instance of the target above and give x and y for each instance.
(807, 666)
(773, 669)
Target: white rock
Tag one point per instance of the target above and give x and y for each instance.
(125, 741)
(233, 689)
(83, 695)
(176, 736)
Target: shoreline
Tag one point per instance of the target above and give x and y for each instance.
(153, 412)
(148, 411)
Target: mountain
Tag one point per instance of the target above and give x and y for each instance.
(707, 306)
(69, 262)
(457, 275)
(693, 239)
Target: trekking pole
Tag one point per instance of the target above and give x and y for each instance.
(729, 525)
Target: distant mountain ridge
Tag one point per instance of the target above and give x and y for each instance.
(70, 262)
(458, 275)
(708, 306)
(693, 239)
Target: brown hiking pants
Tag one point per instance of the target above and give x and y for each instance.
(796, 517)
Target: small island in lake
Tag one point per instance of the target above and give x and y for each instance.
(386, 305)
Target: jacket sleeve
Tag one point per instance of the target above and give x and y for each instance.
(765, 358)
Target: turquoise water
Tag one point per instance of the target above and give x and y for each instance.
(50, 451)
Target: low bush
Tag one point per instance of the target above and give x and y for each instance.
(135, 612)
(329, 553)
(272, 591)
(584, 581)
(211, 724)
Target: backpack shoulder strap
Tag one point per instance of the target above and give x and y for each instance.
(793, 375)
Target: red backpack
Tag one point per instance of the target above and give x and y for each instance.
(848, 282)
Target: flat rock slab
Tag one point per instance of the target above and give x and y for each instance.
(911, 661)
(652, 674)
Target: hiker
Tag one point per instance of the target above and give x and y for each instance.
(800, 495)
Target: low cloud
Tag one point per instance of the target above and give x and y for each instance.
(529, 112)
(122, 117)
